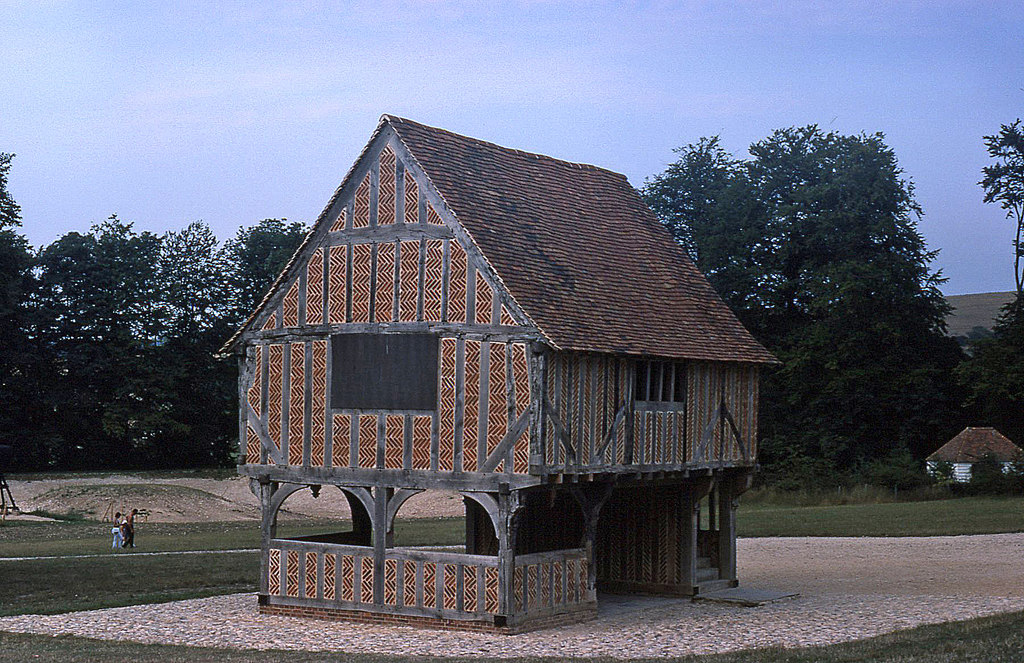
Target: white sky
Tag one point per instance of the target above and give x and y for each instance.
(232, 112)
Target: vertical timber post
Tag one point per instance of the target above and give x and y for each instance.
(268, 530)
(381, 536)
(590, 502)
(733, 485)
(693, 494)
(726, 528)
(508, 506)
(538, 384)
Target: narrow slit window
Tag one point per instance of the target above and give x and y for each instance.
(660, 382)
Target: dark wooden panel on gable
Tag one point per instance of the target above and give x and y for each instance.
(384, 371)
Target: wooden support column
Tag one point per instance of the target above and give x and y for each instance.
(726, 529)
(245, 376)
(731, 486)
(693, 494)
(591, 499)
(382, 538)
(508, 528)
(268, 529)
(538, 429)
(471, 522)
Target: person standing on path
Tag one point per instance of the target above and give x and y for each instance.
(129, 530)
(116, 531)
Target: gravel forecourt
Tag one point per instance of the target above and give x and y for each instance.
(850, 588)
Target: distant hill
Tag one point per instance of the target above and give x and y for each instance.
(974, 315)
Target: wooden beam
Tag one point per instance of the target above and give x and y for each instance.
(494, 333)
(736, 433)
(561, 433)
(508, 441)
(610, 435)
(268, 445)
(395, 502)
(386, 234)
(368, 477)
(483, 402)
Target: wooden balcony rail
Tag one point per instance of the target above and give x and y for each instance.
(418, 582)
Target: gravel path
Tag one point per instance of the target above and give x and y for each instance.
(850, 589)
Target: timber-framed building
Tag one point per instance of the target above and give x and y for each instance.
(519, 329)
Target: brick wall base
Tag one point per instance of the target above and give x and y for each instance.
(336, 614)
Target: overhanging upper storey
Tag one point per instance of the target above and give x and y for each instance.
(468, 309)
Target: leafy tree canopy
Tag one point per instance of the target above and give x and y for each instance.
(993, 377)
(257, 255)
(1003, 182)
(10, 211)
(125, 327)
(814, 244)
(15, 288)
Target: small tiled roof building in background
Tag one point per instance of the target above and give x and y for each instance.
(969, 446)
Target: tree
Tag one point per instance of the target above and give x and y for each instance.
(194, 275)
(993, 376)
(813, 243)
(898, 470)
(96, 319)
(988, 477)
(256, 256)
(1003, 182)
(943, 473)
(126, 327)
(197, 391)
(17, 362)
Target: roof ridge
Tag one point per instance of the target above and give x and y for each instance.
(514, 150)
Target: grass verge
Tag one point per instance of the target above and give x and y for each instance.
(969, 515)
(65, 585)
(997, 639)
(50, 586)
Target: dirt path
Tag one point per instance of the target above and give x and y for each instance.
(179, 500)
(987, 565)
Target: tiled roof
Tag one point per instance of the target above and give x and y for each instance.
(579, 251)
(972, 443)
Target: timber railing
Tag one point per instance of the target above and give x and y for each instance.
(426, 583)
(655, 436)
(549, 583)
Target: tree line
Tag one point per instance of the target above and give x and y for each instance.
(108, 338)
(813, 242)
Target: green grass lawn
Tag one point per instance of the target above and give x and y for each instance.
(65, 585)
(969, 515)
(124, 578)
(998, 639)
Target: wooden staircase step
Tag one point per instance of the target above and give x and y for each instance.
(705, 587)
(705, 574)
